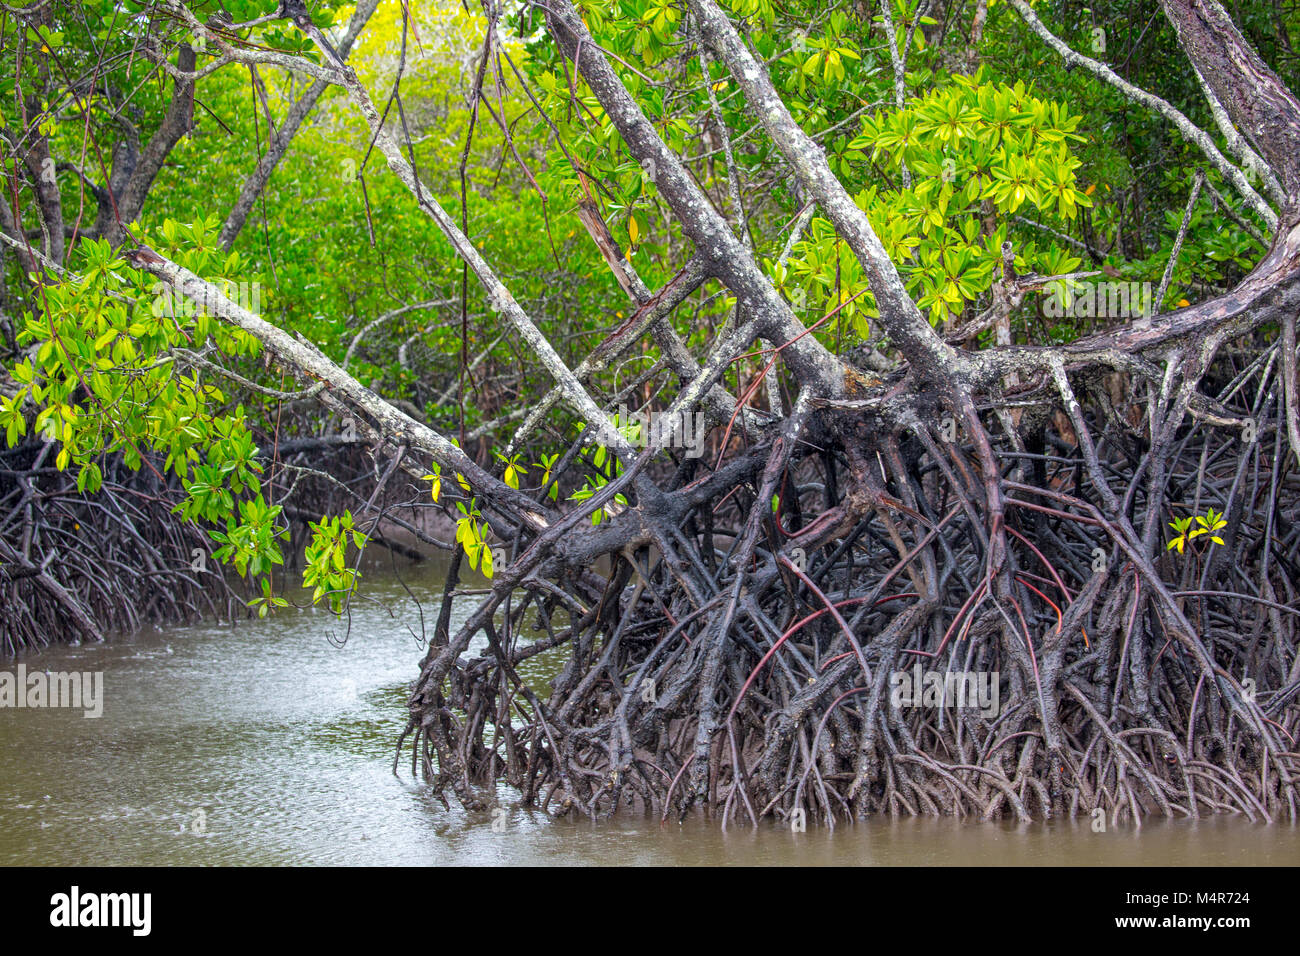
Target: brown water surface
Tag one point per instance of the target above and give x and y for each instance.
(264, 743)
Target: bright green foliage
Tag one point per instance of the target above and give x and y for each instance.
(547, 463)
(250, 543)
(471, 534)
(1206, 524)
(105, 382)
(607, 467)
(513, 469)
(977, 154)
(435, 481)
(327, 568)
(336, 240)
(826, 58)
(1216, 250)
(264, 604)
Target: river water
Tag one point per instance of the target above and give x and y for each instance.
(269, 743)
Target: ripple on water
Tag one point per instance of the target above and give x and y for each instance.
(265, 744)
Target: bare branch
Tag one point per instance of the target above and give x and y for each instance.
(1189, 130)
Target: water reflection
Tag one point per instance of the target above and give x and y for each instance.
(266, 743)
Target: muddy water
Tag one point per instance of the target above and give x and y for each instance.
(271, 743)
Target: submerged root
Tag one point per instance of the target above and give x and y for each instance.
(752, 650)
(75, 566)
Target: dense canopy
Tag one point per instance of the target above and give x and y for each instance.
(746, 357)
